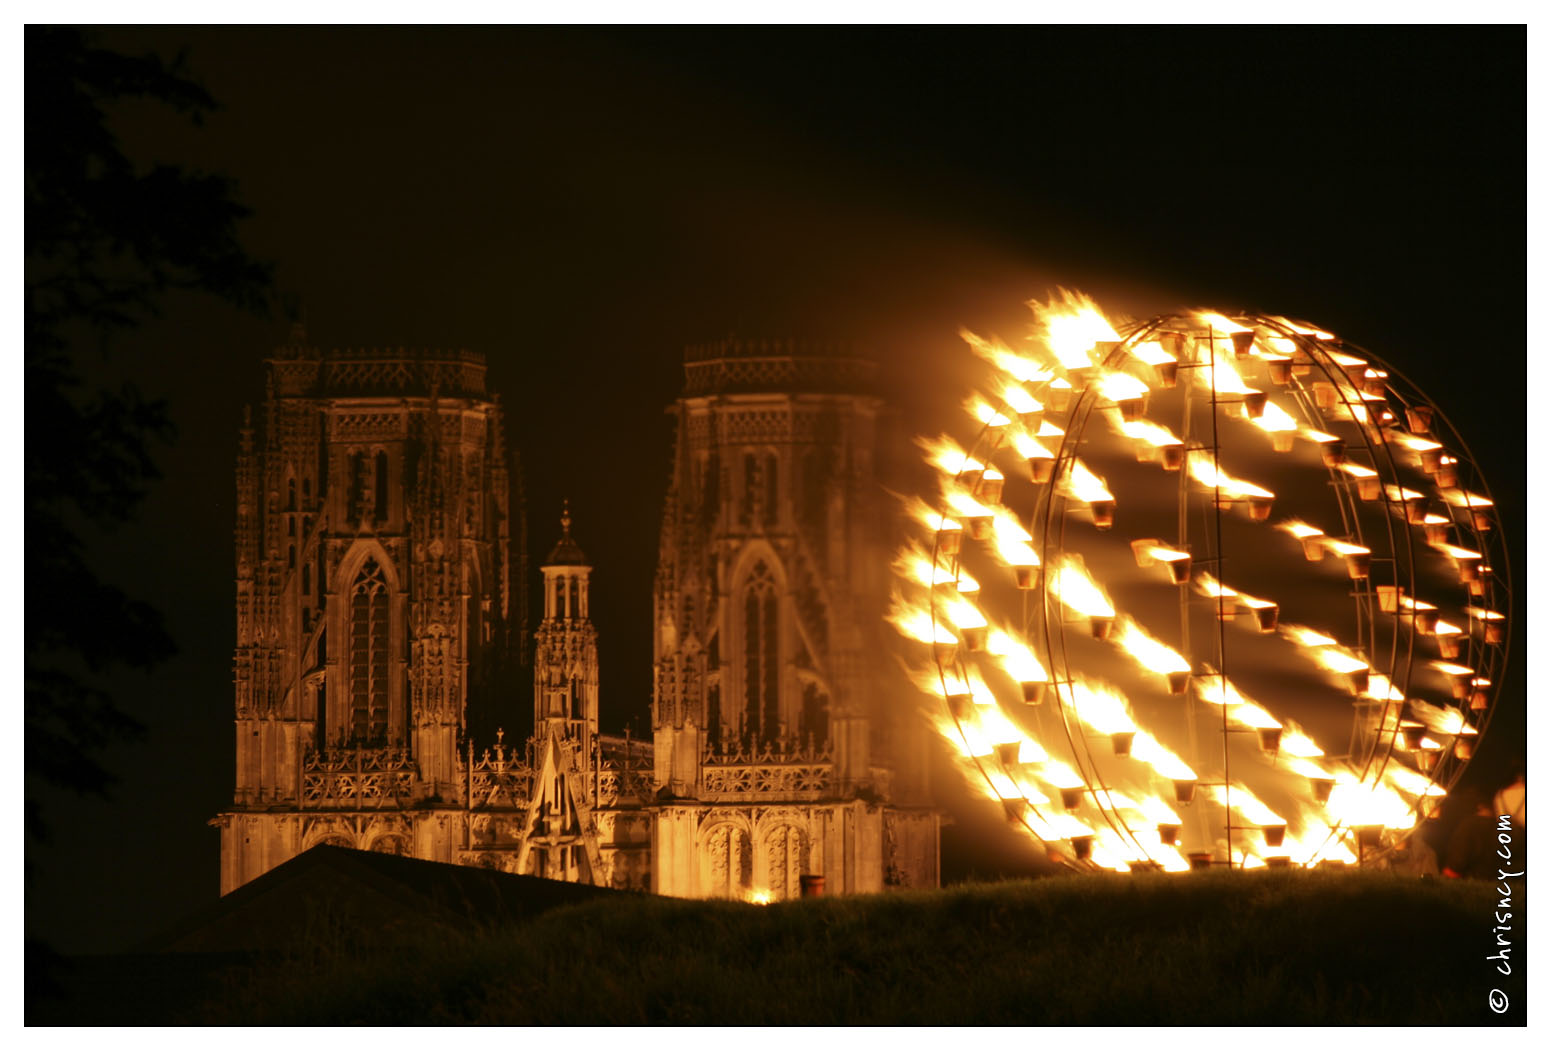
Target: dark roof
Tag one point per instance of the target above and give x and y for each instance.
(566, 553)
(375, 898)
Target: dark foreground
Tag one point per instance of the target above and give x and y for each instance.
(1256, 948)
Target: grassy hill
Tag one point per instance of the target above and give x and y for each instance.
(1259, 947)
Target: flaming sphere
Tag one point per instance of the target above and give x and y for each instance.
(1202, 590)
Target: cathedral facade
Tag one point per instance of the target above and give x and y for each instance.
(376, 635)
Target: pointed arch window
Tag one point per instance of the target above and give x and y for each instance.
(750, 488)
(761, 656)
(380, 489)
(711, 494)
(772, 480)
(369, 660)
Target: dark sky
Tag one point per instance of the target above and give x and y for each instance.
(579, 205)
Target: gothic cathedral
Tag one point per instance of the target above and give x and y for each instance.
(376, 640)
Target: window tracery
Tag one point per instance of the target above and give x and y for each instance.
(761, 656)
(369, 659)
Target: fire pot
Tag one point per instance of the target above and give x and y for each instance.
(1265, 618)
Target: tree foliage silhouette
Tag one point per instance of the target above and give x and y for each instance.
(106, 239)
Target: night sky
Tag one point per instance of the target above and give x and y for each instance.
(580, 205)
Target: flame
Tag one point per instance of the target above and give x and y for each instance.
(1461, 498)
(1082, 484)
(759, 897)
(1020, 368)
(1412, 442)
(1222, 373)
(1121, 386)
(1070, 326)
(1218, 323)
(915, 564)
(1358, 471)
(1204, 470)
(1276, 348)
(1477, 613)
(1450, 722)
(939, 683)
(1058, 775)
(1346, 361)
(1295, 742)
(1249, 805)
(1019, 400)
(962, 502)
(934, 520)
(1412, 783)
(1148, 651)
(1274, 418)
(1159, 812)
(1151, 353)
(1355, 804)
(981, 410)
(1029, 447)
(1301, 530)
(1101, 708)
(1381, 689)
(1209, 586)
(1016, 658)
(963, 614)
(1147, 432)
(1339, 659)
(1304, 766)
(1341, 547)
(1154, 551)
(1077, 590)
(917, 623)
(947, 456)
(1215, 688)
(1011, 541)
(1459, 554)
(1307, 638)
(1147, 749)
(1301, 329)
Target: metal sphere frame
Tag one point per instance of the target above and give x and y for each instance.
(1371, 398)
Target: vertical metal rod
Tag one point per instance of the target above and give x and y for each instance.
(1222, 648)
(1191, 730)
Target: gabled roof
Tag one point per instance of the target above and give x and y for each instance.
(366, 897)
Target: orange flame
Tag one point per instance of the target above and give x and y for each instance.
(1077, 590)
(1070, 326)
(1148, 651)
(1020, 368)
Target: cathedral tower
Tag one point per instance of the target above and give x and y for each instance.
(372, 600)
(561, 836)
(768, 610)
